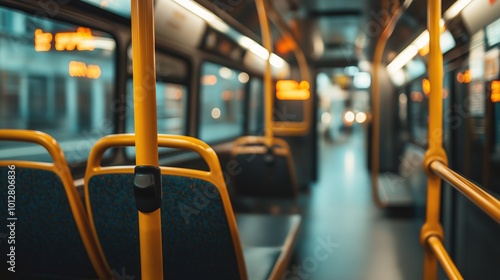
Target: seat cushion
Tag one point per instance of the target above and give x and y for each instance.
(47, 240)
(260, 178)
(267, 242)
(260, 261)
(196, 238)
(266, 230)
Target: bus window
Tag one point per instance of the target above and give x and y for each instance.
(57, 78)
(256, 108)
(170, 108)
(221, 102)
(418, 113)
(121, 7)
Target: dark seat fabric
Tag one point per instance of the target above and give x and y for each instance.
(260, 176)
(47, 242)
(197, 242)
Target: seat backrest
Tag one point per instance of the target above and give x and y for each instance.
(263, 171)
(199, 234)
(50, 232)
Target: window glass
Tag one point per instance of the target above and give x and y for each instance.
(121, 7)
(57, 78)
(222, 101)
(170, 108)
(256, 110)
(167, 66)
(418, 112)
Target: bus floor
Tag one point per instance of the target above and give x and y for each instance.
(344, 235)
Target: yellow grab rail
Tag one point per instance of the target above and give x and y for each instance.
(489, 204)
(435, 164)
(377, 62)
(285, 128)
(268, 97)
(144, 78)
(446, 262)
(435, 152)
(60, 167)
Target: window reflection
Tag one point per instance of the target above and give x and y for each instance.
(39, 89)
(256, 110)
(170, 108)
(222, 100)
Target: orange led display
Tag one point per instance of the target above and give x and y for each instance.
(292, 90)
(43, 41)
(81, 40)
(495, 91)
(82, 70)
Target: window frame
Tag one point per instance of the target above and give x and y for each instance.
(98, 23)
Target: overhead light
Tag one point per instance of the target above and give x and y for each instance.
(205, 14)
(246, 42)
(221, 26)
(276, 61)
(398, 78)
(260, 51)
(423, 39)
(102, 43)
(402, 59)
(455, 9)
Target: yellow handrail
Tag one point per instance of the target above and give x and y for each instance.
(60, 167)
(446, 262)
(143, 46)
(435, 163)
(377, 62)
(268, 97)
(489, 204)
(432, 227)
(286, 128)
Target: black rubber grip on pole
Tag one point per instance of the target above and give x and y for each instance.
(147, 188)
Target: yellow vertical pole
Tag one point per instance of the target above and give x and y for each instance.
(435, 152)
(268, 95)
(284, 127)
(377, 60)
(143, 45)
(377, 64)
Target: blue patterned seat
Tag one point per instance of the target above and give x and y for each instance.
(51, 227)
(264, 171)
(194, 227)
(200, 238)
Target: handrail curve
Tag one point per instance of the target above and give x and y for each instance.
(488, 203)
